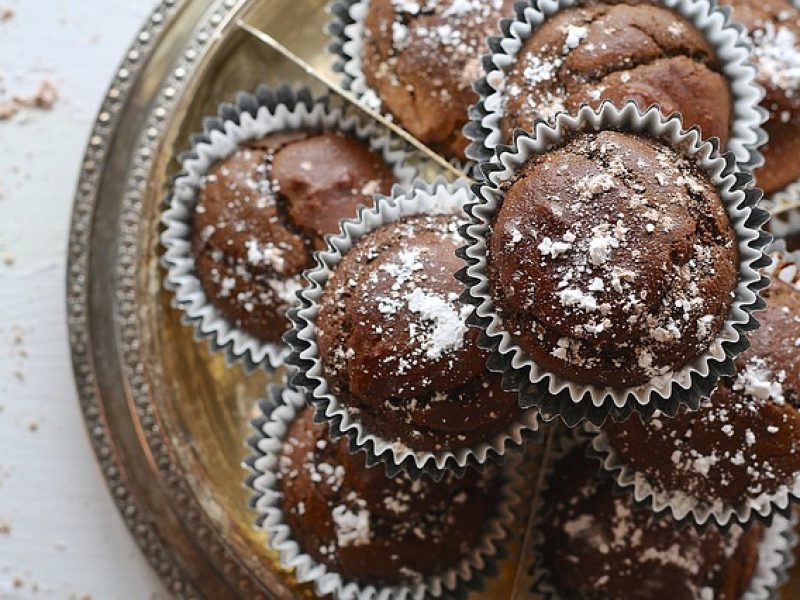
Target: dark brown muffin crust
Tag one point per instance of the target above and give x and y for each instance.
(421, 58)
(262, 211)
(774, 28)
(597, 547)
(777, 341)
(395, 345)
(617, 51)
(745, 439)
(372, 529)
(612, 260)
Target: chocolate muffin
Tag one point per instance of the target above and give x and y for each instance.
(774, 28)
(745, 439)
(597, 547)
(262, 211)
(395, 345)
(372, 529)
(617, 51)
(777, 341)
(421, 58)
(612, 260)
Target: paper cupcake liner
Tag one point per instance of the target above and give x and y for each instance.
(728, 40)
(775, 552)
(346, 29)
(469, 574)
(422, 198)
(575, 402)
(251, 117)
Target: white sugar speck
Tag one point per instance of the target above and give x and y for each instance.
(352, 528)
(449, 322)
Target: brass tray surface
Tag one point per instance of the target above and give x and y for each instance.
(168, 419)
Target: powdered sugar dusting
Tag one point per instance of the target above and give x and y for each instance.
(777, 54)
(449, 322)
(352, 527)
(759, 382)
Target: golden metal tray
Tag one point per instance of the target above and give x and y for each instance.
(167, 419)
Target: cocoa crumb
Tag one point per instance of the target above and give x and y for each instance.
(44, 97)
(6, 13)
(7, 110)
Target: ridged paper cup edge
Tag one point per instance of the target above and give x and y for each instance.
(555, 395)
(266, 444)
(421, 198)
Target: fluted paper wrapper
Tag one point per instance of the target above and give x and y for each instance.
(729, 42)
(685, 508)
(271, 429)
(437, 198)
(253, 116)
(575, 402)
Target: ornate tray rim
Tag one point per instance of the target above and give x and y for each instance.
(178, 563)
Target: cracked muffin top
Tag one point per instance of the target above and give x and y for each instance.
(598, 546)
(773, 27)
(421, 58)
(745, 439)
(395, 344)
(612, 260)
(264, 209)
(617, 51)
(371, 528)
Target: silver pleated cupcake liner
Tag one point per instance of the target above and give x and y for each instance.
(422, 198)
(277, 412)
(573, 402)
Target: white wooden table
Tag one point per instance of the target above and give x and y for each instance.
(60, 534)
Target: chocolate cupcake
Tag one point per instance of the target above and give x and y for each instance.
(776, 343)
(381, 341)
(617, 51)
(612, 260)
(262, 187)
(395, 345)
(420, 58)
(557, 55)
(738, 454)
(372, 529)
(356, 533)
(264, 209)
(774, 31)
(593, 544)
